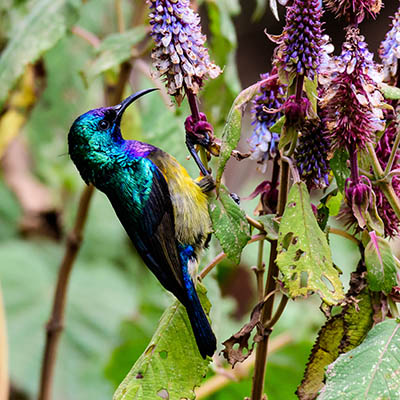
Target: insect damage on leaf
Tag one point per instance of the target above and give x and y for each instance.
(242, 337)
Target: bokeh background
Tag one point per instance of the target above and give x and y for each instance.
(114, 303)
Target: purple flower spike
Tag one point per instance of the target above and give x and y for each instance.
(351, 102)
(264, 143)
(312, 156)
(354, 10)
(389, 51)
(300, 45)
(179, 55)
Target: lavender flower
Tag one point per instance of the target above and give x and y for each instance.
(179, 55)
(389, 51)
(311, 155)
(351, 102)
(263, 142)
(354, 10)
(301, 42)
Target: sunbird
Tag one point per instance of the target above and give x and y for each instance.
(163, 210)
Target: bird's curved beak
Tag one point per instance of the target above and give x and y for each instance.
(121, 107)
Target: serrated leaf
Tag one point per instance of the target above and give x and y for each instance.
(40, 30)
(380, 264)
(341, 333)
(171, 366)
(304, 256)
(270, 225)
(113, 50)
(338, 164)
(370, 371)
(232, 129)
(389, 92)
(230, 225)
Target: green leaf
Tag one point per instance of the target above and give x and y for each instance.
(39, 31)
(304, 256)
(310, 87)
(261, 6)
(338, 163)
(230, 225)
(389, 92)
(278, 125)
(113, 50)
(334, 203)
(171, 366)
(288, 135)
(270, 225)
(380, 264)
(341, 333)
(232, 129)
(370, 371)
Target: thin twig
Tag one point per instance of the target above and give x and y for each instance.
(255, 223)
(259, 271)
(55, 325)
(386, 187)
(392, 157)
(120, 15)
(344, 234)
(281, 307)
(4, 376)
(240, 371)
(89, 37)
(206, 270)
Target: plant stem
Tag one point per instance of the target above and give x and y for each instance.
(262, 347)
(392, 157)
(194, 108)
(255, 223)
(340, 232)
(4, 379)
(354, 164)
(55, 325)
(120, 15)
(259, 271)
(386, 187)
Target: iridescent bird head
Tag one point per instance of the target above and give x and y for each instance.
(94, 136)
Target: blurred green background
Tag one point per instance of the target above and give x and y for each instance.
(114, 303)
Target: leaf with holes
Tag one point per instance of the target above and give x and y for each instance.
(39, 31)
(380, 263)
(370, 371)
(233, 127)
(171, 366)
(304, 256)
(230, 225)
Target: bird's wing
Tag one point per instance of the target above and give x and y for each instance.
(156, 241)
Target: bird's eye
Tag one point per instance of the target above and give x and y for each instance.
(103, 125)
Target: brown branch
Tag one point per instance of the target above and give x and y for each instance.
(54, 326)
(262, 347)
(4, 378)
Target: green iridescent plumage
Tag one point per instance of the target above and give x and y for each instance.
(161, 208)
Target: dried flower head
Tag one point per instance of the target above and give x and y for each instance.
(351, 102)
(389, 51)
(263, 143)
(311, 155)
(301, 42)
(354, 10)
(179, 55)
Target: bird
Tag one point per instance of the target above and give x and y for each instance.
(162, 209)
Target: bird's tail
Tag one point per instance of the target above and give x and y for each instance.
(205, 338)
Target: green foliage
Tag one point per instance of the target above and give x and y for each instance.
(369, 371)
(304, 256)
(341, 333)
(40, 30)
(338, 163)
(380, 263)
(270, 225)
(233, 126)
(171, 366)
(112, 51)
(229, 224)
(390, 92)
